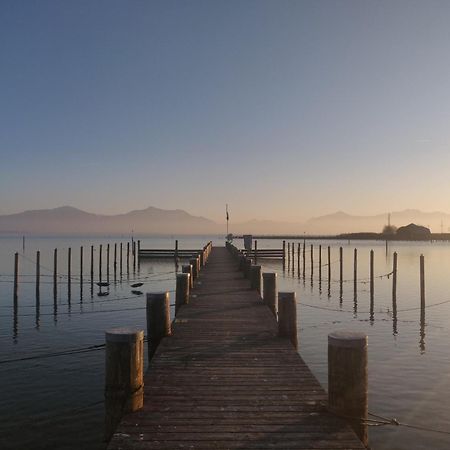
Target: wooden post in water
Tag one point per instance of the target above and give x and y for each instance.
(176, 248)
(100, 251)
(38, 273)
(55, 273)
(422, 282)
(312, 260)
(304, 259)
(255, 278)
(298, 259)
(371, 275)
(121, 259)
(287, 317)
(355, 272)
(341, 265)
(348, 379)
(92, 264)
(256, 251)
(158, 320)
(320, 263)
(115, 261)
(107, 263)
(182, 290)
(81, 264)
(289, 254)
(293, 256)
(128, 258)
(16, 277)
(270, 291)
(188, 269)
(284, 254)
(124, 375)
(134, 256)
(69, 271)
(329, 264)
(394, 277)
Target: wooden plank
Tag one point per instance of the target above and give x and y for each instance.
(225, 380)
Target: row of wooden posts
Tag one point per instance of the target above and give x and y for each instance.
(132, 252)
(291, 257)
(347, 351)
(124, 372)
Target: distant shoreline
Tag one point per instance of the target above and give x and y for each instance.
(363, 236)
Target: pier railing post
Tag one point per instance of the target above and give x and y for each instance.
(270, 291)
(287, 317)
(124, 375)
(348, 379)
(188, 269)
(193, 263)
(255, 278)
(182, 291)
(158, 320)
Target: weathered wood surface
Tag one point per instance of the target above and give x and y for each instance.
(225, 380)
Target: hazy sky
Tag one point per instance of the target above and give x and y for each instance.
(283, 109)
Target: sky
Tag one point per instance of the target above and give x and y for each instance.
(282, 109)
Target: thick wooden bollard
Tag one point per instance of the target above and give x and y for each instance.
(255, 278)
(124, 375)
(199, 266)
(158, 320)
(16, 276)
(287, 317)
(38, 273)
(202, 258)
(270, 291)
(193, 263)
(182, 290)
(348, 379)
(188, 269)
(248, 266)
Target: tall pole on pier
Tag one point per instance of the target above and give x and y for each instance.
(228, 216)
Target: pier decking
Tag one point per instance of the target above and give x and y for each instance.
(225, 380)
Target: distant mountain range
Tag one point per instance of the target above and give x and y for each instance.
(69, 220)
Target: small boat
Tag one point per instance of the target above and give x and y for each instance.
(102, 294)
(102, 284)
(137, 292)
(136, 285)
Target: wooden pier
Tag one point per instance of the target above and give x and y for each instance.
(224, 379)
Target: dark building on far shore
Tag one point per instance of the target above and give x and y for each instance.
(413, 232)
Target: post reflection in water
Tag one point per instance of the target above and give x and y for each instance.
(38, 309)
(422, 330)
(15, 322)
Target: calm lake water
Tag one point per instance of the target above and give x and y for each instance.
(56, 402)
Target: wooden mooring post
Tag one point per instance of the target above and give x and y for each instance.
(284, 254)
(100, 251)
(121, 260)
(270, 291)
(115, 261)
(289, 254)
(38, 273)
(320, 263)
(256, 251)
(298, 259)
(287, 317)
(304, 260)
(255, 278)
(81, 264)
(312, 260)
(16, 277)
(371, 274)
(55, 273)
(348, 379)
(124, 375)
(188, 269)
(394, 277)
(158, 320)
(107, 262)
(69, 272)
(422, 282)
(182, 290)
(128, 258)
(193, 263)
(92, 265)
(341, 266)
(329, 264)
